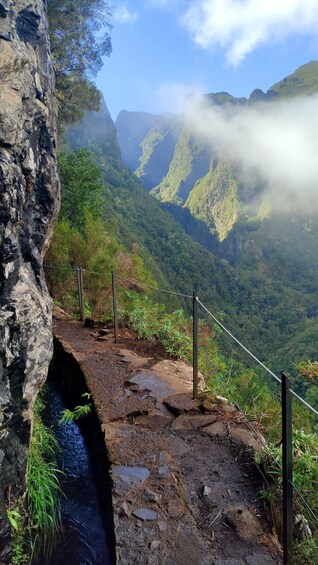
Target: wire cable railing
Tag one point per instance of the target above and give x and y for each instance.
(256, 359)
(134, 281)
(287, 393)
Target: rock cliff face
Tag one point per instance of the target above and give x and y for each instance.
(28, 205)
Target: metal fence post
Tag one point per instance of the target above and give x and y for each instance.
(115, 306)
(195, 315)
(287, 434)
(81, 271)
(80, 290)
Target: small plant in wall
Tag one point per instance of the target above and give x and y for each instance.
(78, 412)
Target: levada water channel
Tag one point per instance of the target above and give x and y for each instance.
(87, 519)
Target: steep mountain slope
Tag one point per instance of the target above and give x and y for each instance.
(214, 192)
(303, 82)
(174, 258)
(147, 143)
(96, 129)
(253, 276)
(190, 161)
(273, 290)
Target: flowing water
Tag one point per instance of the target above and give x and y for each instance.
(84, 540)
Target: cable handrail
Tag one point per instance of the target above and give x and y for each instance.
(286, 394)
(238, 342)
(154, 287)
(255, 358)
(135, 281)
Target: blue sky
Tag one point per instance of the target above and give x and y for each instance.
(163, 49)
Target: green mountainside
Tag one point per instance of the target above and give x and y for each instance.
(95, 129)
(190, 161)
(271, 259)
(147, 143)
(261, 276)
(196, 176)
(303, 82)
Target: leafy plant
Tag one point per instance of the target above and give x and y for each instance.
(79, 39)
(78, 412)
(305, 480)
(151, 321)
(43, 489)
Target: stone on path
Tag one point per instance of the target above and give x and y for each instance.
(145, 514)
(181, 403)
(244, 437)
(245, 523)
(216, 429)
(132, 358)
(185, 423)
(134, 476)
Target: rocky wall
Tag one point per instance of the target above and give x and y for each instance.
(29, 190)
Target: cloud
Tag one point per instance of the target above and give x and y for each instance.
(170, 96)
(240, 26)
(273, 143)
(123, 15)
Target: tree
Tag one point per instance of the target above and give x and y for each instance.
(79, 35)
(82, 187)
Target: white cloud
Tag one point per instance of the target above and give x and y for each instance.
(123, 15)
(274, 143)
(170, 96)
(239, 26)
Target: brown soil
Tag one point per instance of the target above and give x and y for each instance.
(196, 475)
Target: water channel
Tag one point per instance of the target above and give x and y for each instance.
(87, 517)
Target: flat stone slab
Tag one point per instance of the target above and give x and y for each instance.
(132, 358)
(115, 431)
(157, 385)
(145, 514)
(179, 371)
(134, 476)
(185, 423)
(154, 422)
(182, 402)
(245, 437)
(216, 429)
(177, 447)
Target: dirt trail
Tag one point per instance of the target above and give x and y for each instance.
(184, 490)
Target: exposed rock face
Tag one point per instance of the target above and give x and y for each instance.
(29, 190)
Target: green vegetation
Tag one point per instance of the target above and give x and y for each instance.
(35, 529)
(303, 82)
(82, 238)
(79, 411)
(77, 51)
(151, 321)
(148, 145)
(43, 490)
(131, 215)
(190, 161)
(82, 188)
(214, 199)
(305, 480)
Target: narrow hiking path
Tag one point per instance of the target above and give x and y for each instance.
(183, 485)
